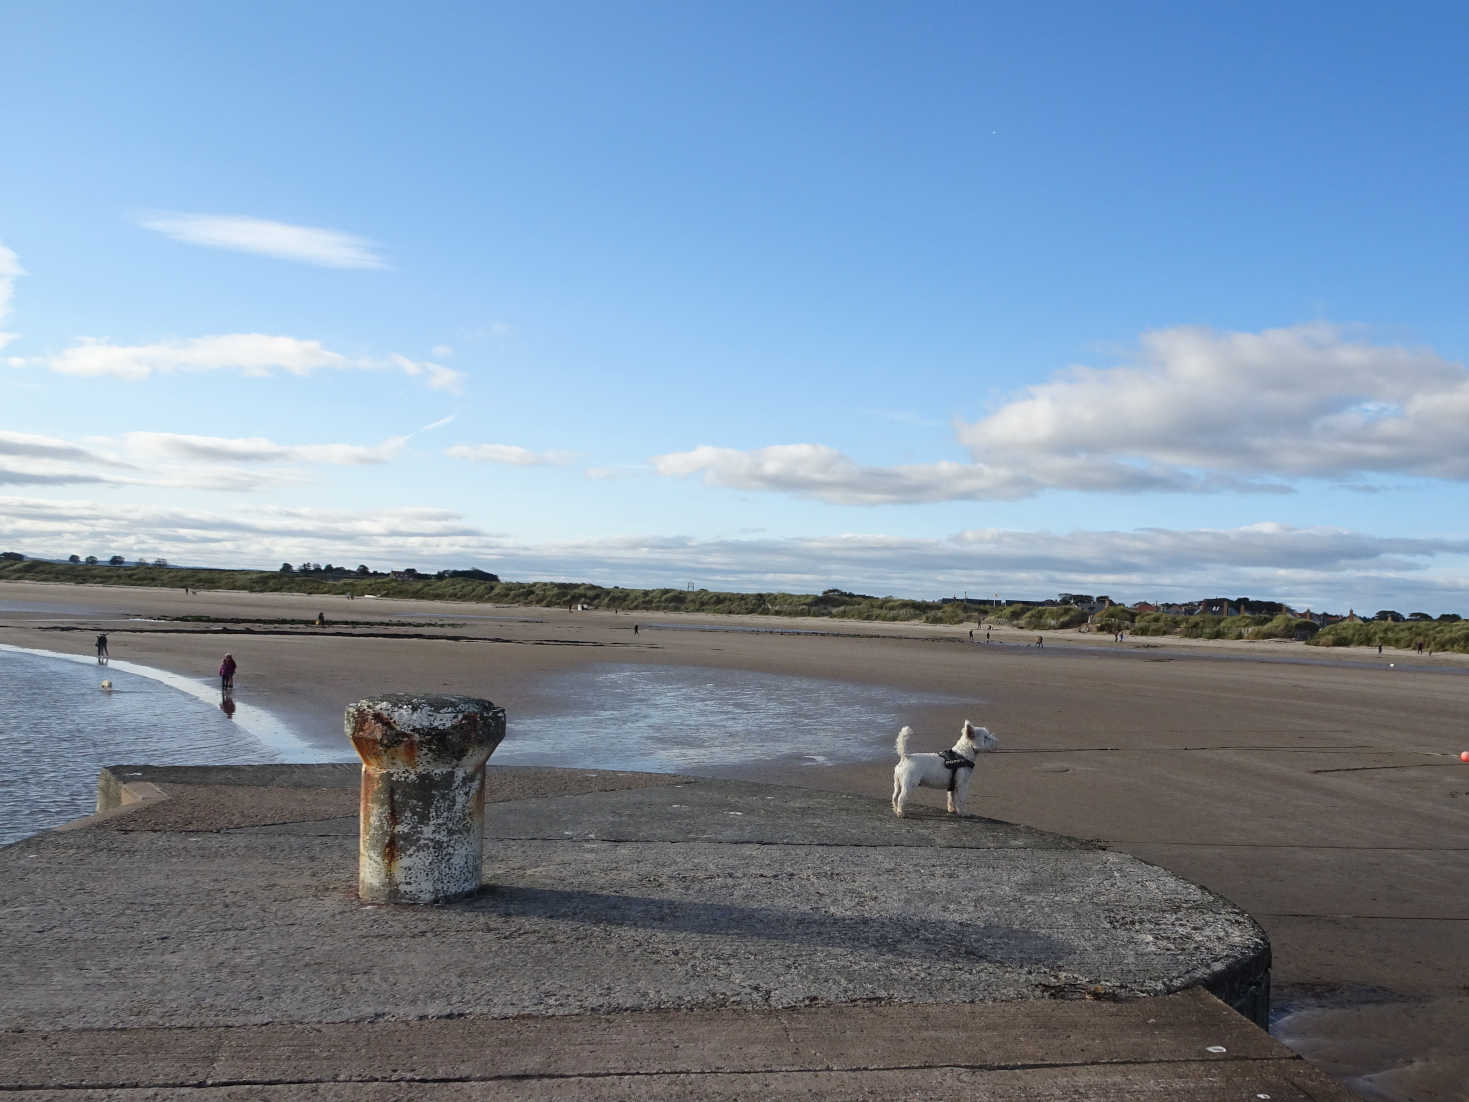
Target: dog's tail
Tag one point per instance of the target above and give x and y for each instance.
(902, 744)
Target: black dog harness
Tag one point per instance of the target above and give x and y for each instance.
(954, 762)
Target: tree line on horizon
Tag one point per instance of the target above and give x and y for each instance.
(1449, 632)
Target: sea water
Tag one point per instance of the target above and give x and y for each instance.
(59, 727)
(686, 719)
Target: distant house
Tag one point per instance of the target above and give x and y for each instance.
(1256, 608)
(1084, 601)
(1144, 606)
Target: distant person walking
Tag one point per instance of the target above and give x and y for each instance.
(1040, 640)
(102, 650)
(635, 629)
(227, 674)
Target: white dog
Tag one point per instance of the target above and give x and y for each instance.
(915, 770)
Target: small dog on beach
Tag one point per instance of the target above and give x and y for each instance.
(953, 769)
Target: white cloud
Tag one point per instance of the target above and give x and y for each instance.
(10, 271)
(815, 470)
(240, 536)
(27, 459)
(1307, 401)
(30, 445)
(32, 475)
(168, 447)
(178, 460)
(509, 454)
(442, 352)
(256, 355)
(307, 244)
(439, 376)
(1204, 412)
(1318, 568)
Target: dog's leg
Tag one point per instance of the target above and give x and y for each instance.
(897, 796)
(959, 795)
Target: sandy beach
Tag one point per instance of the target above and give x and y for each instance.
(1318, 789)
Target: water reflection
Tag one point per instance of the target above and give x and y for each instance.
(60, 723)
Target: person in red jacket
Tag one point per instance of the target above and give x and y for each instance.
(227, 673)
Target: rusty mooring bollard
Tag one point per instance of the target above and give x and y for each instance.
(423, 794)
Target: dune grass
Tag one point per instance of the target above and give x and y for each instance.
(832, 604)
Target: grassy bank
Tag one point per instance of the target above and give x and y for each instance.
(1436, 635)
(831, 604)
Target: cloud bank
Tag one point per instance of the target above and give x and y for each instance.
(1315, 567)
(238, 233)
(177, 460)
(1201, 412)
(1308, 401)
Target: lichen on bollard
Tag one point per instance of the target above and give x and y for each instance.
(421, 833)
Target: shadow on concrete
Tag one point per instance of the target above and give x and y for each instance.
(902, 936)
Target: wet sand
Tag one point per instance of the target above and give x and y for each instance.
(1318, 789)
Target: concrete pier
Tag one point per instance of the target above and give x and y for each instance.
(637, 935)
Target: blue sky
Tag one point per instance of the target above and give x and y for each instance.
(1155, 300)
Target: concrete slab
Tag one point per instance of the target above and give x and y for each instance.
(657, 936)
(1198, 1082)
(1173, 1028)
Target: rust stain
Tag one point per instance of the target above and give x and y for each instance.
(390, 847)
(381, 745)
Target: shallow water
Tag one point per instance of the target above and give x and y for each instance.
(671, 719)
(58, 728)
